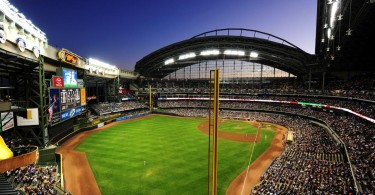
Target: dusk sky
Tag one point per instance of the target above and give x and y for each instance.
(121, 32)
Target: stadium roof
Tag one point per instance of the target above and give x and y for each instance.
(345, 34)
(224, 44)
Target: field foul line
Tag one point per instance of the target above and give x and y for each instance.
(248, 166)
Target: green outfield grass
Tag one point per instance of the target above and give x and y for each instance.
(236, 126)
(163, 155)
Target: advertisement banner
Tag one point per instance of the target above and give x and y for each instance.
(71, 113)
(54, 100)
(32, 118)
(70, 78)
(58, 82)
(68, 57)
(83, 96)
(80, 83)
(7, 121)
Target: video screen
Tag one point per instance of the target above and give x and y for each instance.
(70, 98)
(70, 78)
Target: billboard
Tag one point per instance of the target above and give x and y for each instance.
(54, 106)
(67, 114)
(70, 78)
(83, 96)
(58, 81)
(70, 98)
(80, 83)
(7, 121)
(65, 103)
(32, 118)
(68, 57)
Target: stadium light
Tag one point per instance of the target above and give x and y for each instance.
(329, 33)
(209, 52)
(13, 14)
(254, 54)
(187, 56)
(334, 9)
(234, 52)
(169, 61)
(101, 64)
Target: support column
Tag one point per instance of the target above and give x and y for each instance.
(323, 80)
(309, 79)
(261, 76)
(43, 107)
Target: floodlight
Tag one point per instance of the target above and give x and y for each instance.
(234, 52)
(169, 61)
(253, 54)
(101, 64)
(334, 9)
(186, 56)
(329, 33)
(210, 52)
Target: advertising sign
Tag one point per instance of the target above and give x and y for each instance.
(68, 57)
(36, 51)
(7, 121)
(70, 78)
(54, 106)
(80, 83)
(21, 44)
(83, 96)
(32, 118)
(54, 99)
(58, 82)
(71, 113)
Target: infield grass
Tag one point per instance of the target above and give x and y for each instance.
(163, 155)
(236, 126)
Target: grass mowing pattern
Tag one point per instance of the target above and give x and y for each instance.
(233, 126)
(175, 153)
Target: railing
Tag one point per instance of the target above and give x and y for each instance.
(21, 160)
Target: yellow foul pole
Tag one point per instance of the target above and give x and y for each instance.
(215, 126)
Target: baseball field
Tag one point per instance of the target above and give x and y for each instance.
(167, 155)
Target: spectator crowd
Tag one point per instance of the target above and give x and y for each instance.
(356, 133)
(33, 179)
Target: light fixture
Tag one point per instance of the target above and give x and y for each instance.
(334, 9)
(234, 52)
(209, 52)
(187, 56)
(253, 54)
(349, 32)
(95, 62)
(328, 33)
(340, 17)
(169, 61)
(338, 48)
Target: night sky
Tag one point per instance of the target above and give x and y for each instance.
(121, 32)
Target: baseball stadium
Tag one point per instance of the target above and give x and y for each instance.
(228, 111)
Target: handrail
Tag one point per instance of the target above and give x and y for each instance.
(322, 123)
